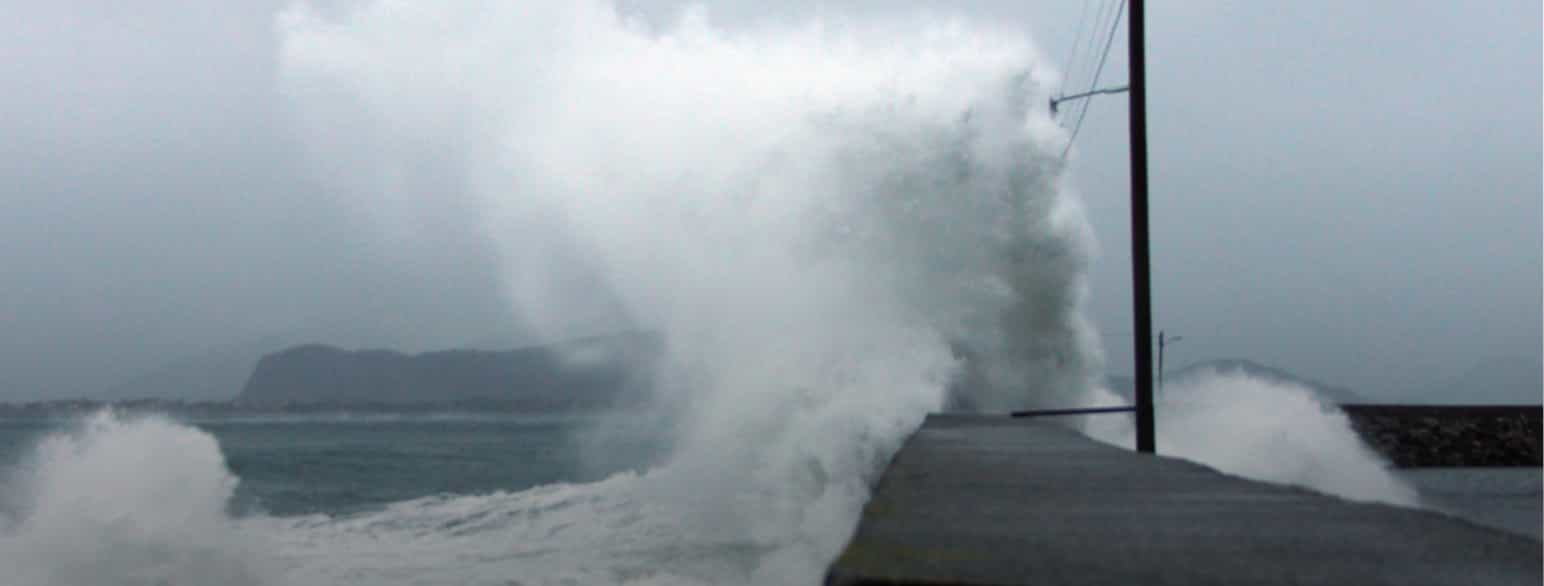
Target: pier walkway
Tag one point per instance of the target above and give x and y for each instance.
(994, 500)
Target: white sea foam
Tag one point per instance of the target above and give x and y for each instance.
(823, 222)
(820, 220)
(817, 220)
(1266, 430)
(129, 501)
(607, 532)
(125, 502)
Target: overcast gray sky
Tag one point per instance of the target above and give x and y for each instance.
(1351, 191)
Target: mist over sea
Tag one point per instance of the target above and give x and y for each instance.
(835, 227)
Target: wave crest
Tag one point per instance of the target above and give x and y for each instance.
(1266, 430)
(125, 501)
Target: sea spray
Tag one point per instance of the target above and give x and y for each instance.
(836, 228)
(819, 220)
(1274, 431)
(125, 501)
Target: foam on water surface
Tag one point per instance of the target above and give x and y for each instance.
(836, 227)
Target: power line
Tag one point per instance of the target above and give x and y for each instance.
(1100, 19)
(1096, 74)
(1099, 70)
(1110, 40)
(1101, 15)
(1077, 43)
(1090, 23)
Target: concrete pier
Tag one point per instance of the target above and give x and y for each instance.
(993, 500)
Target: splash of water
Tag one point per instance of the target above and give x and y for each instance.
(823, 222)
(1267, 430)
(125, 502)
(830, 225)
(816, 219)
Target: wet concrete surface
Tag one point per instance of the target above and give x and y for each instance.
(994, 500)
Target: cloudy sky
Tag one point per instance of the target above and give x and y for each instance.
(1351, 191)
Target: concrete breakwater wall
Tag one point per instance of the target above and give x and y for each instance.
(980, 499)
(1416, 436)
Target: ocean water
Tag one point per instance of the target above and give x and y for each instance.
(829, 223)
(122, 499)
(451, 499)
(1509, 499)
(350, 464)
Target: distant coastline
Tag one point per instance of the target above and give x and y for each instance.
(612, 373)
(578, 376)
(1409, 436)
(66, 409)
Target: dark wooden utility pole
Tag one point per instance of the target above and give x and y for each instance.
(1140, 273)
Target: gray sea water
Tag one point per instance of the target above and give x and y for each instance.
(1503, 498)
(416, 499)
(347, 464)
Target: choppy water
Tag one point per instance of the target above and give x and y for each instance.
(333, 500)
(830, 224)
(421, 500)
(350, 464)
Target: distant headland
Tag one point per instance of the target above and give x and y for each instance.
(614, 371)
(583, 374)
(580, 375)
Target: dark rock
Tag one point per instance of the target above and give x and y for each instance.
(1413, 436)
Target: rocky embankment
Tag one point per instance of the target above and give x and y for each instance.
(1415, 436)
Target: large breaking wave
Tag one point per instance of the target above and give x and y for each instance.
(125, 502)
(820, 220)
(837, 228)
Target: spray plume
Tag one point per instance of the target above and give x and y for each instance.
(835, 228)
(818, 220)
